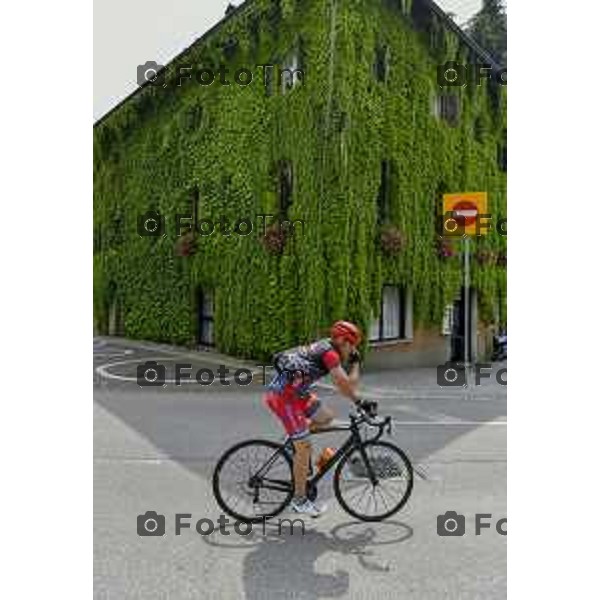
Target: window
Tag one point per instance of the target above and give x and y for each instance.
(291, 73)
(230, 46)
(206, 334)
(381, 65)
(394, 319)
(193, 117)
(479, 129)
(385, 193)
(268, 79)
(502, 157)
(502, 154)
(194, 202)
(284, 175)
(447, 107)
(97, 239)
(116, 229)
(254, 32)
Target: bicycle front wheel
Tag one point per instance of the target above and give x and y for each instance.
(253, 480)
(379, 497)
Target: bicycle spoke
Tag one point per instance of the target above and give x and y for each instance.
(378, 489)
(365, 490)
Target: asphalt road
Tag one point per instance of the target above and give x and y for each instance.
(155, 448)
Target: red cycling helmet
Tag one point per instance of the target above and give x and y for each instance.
(346, 330)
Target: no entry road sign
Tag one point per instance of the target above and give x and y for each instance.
(464, 214)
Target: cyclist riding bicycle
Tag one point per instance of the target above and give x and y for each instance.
(291, 398)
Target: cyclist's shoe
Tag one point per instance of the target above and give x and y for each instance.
(305, 507)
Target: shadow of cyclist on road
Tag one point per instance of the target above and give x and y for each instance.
(281, 562)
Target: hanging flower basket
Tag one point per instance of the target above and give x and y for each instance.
(392, 241)
(186, 245)
(485, 257)
(445, 249)
(274, 239)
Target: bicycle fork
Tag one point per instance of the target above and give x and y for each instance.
(370, 471)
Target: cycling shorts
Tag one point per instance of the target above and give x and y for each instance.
(293, 411)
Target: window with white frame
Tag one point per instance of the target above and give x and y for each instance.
(394, 321)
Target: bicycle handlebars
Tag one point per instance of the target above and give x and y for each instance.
(373, 420)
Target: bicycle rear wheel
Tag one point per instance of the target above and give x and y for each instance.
(253, 480)
(393, 481)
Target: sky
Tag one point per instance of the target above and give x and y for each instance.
(129, 33)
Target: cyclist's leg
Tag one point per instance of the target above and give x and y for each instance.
(302, 450)
(295, 423)
(319, 415)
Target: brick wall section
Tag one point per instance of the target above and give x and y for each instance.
(427, 348)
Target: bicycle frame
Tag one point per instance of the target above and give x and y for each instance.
(354, 441)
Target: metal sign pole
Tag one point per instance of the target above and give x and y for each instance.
(467, 306)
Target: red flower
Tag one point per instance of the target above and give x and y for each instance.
(485, 257)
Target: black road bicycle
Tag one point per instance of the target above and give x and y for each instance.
(373, 480)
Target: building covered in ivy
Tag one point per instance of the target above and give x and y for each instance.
(346, 143)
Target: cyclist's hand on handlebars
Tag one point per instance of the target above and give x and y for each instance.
(368, 406)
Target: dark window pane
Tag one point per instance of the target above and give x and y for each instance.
(285, 186)
(448, 108)
(206, 317)
(380, 67)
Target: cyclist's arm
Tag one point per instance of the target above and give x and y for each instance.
(345, 383)
(354, 375)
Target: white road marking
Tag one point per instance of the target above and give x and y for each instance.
(110, 355)
(103, 372)
(410, 394)
(448, 423)
(195, 356)
(150, 461)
